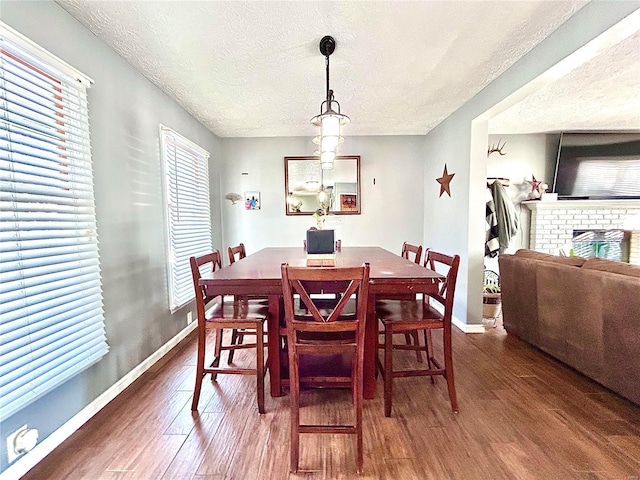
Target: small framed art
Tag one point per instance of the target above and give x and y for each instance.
(252, 200)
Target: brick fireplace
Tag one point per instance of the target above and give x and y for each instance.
(553, 222)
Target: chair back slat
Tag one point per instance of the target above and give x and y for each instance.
(305, 298)
(354, 281)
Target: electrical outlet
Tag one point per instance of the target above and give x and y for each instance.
(189, 318)
(20, 442)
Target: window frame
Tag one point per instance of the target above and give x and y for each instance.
(187, 211)
(51, 314)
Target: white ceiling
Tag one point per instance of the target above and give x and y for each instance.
(253, 68)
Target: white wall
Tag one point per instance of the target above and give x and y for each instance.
(392, 209)
(457, 224)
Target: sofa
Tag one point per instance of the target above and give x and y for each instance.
(585, 313)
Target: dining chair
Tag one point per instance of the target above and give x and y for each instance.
(213, 314)
(238, 250)
(237, 335)
(419, 315)
(409, 250)
(325, 330)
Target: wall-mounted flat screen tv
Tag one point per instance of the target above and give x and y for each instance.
(598, 166)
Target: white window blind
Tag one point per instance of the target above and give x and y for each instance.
(187, 207)
(51, 316)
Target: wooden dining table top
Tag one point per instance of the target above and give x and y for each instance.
(261, 270)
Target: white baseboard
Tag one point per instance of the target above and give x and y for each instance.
(464, 327)
(30, 460)
(467, 328)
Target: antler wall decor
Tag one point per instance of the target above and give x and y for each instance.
(496, 148)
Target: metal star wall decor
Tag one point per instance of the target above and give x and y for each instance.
(535, 188)
(535, 184)
(444, 181)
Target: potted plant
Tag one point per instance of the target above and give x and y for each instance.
(491, 300)
(320, 215)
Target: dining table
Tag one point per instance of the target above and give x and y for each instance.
(259, 274)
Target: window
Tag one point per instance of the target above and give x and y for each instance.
(51, 317)
(186, 178)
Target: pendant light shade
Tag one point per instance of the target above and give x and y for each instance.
(330, 119)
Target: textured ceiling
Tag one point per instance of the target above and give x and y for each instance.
(253, 69)
(602, 94)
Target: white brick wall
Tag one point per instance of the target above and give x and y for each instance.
(552, 223)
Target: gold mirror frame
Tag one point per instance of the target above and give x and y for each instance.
(306, 184)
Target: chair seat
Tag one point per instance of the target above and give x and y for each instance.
(248, 310)
(406, 315)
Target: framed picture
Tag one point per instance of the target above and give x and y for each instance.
(252, 200)
(348, 203)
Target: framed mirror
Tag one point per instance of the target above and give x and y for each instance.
(307, 187)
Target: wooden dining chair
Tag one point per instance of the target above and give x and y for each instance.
(214, 314)
(414, 251)
(238, 250)
(237, 335)
(336, 328)
(419, 315)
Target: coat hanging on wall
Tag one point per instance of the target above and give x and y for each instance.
(492, 243)
(506, 216)
(444, 181)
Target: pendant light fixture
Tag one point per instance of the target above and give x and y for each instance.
(330, 119)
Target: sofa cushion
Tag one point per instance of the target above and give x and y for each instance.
(612, 267)
(546, 257)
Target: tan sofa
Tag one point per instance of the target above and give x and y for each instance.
(585, 313)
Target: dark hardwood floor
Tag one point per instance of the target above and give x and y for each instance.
(522, 415)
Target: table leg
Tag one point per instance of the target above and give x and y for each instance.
(370, 348)
(273, 347)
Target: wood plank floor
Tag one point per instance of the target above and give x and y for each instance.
(522, 416)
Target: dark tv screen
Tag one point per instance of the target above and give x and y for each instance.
(598, 166)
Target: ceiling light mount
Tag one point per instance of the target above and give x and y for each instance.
(330, 118)
(327, 45)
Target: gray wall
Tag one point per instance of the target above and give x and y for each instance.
(457, 224)
(125, 112)
(392, 209)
